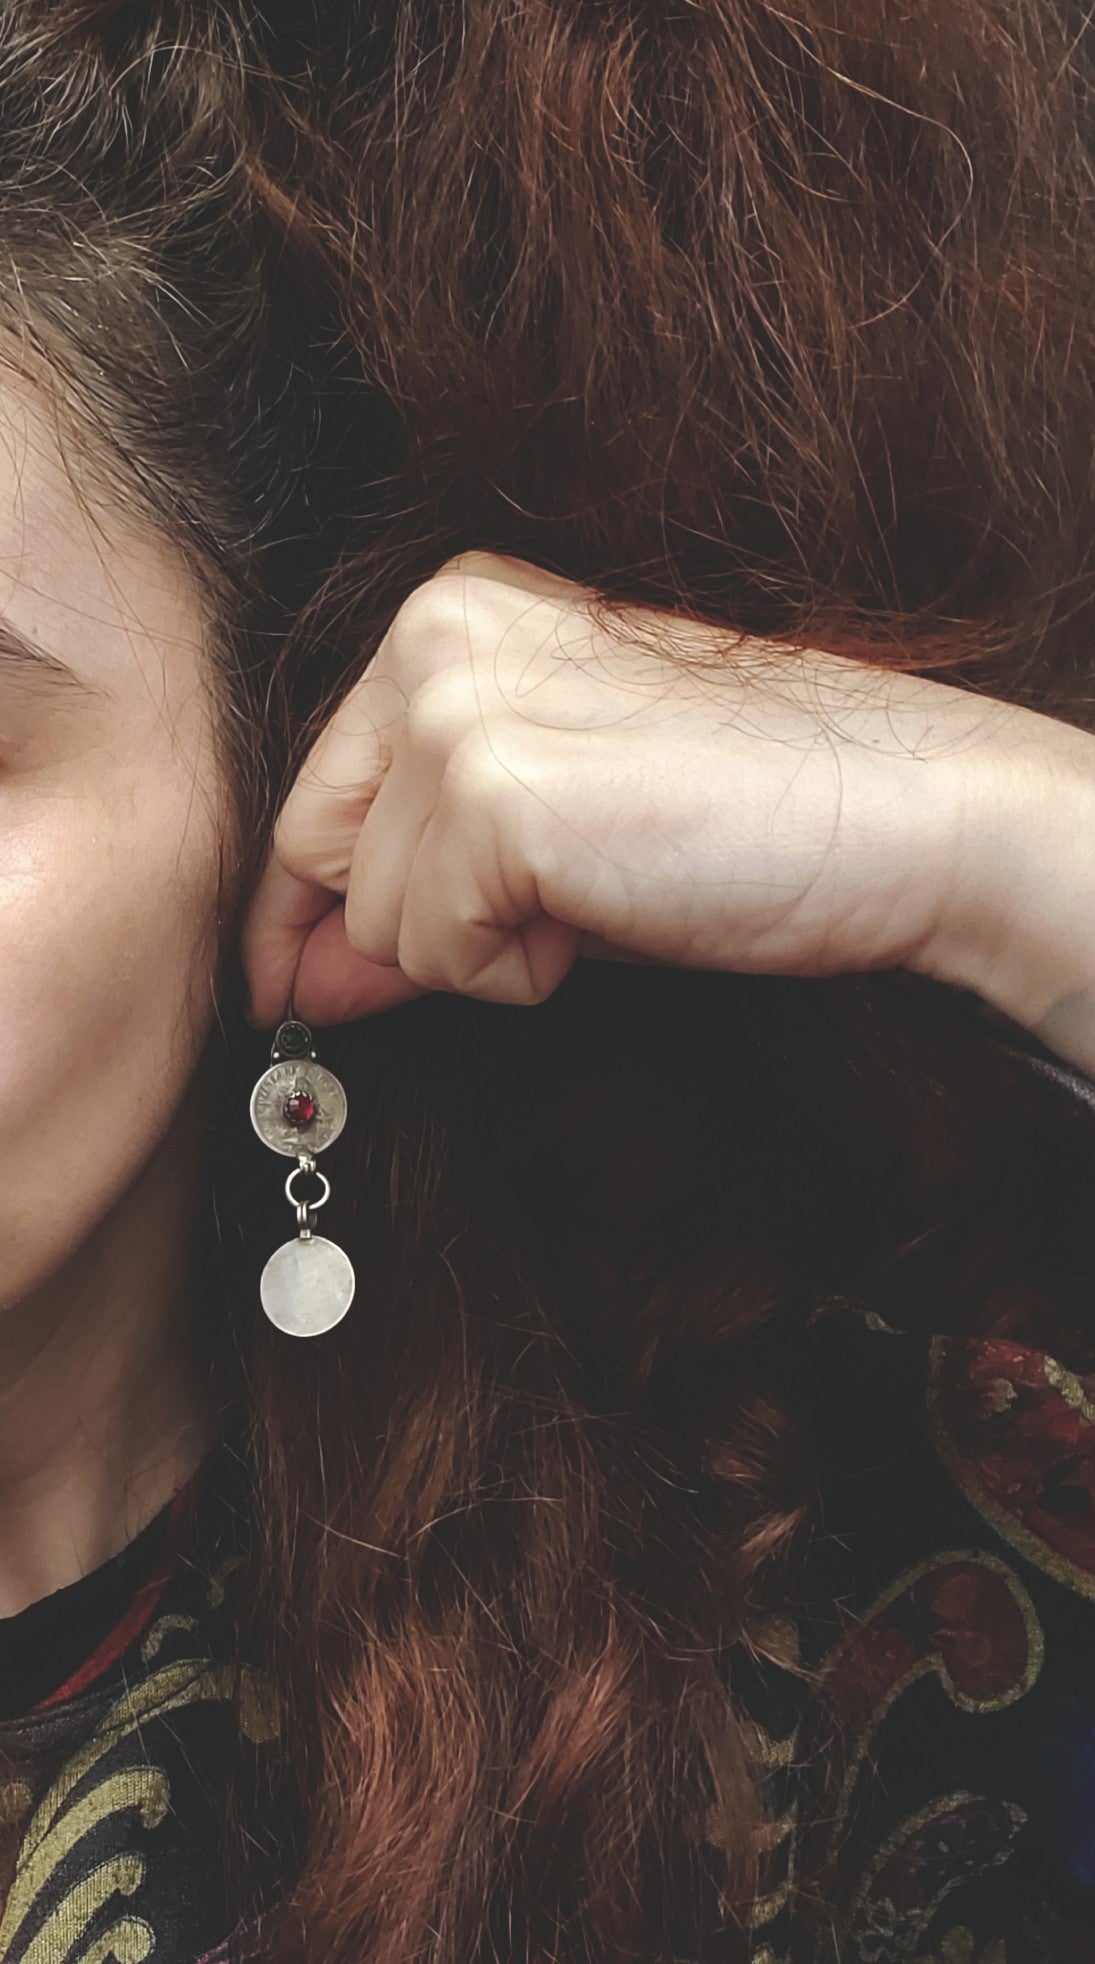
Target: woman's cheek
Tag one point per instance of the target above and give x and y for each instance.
(106, 1000)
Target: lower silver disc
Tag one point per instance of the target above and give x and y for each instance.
(307, 1286)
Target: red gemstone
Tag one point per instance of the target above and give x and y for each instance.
(300, 1108)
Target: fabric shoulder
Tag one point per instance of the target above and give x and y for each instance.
(933, 1770)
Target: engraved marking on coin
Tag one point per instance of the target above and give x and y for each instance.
(284, 1094)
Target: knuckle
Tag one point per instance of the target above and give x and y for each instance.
(473, 777)
(312, 844)
(446, 618)
(441, 711)
(424, 971)
(297, 845)
(367, 931)
(432, 626)
(476, 564)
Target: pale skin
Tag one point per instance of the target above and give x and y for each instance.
(110, 814)
(511, 786)
(508, 789)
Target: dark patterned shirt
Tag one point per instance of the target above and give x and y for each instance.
(932, 1776)
(121, 1708)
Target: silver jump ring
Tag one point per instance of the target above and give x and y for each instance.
(314, 1174)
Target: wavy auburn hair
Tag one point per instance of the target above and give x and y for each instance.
(779, 316)
(782, 317)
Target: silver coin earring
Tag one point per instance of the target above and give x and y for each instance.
(298, 1108)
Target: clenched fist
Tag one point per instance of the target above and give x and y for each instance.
(515, 783)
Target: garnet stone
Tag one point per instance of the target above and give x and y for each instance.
(300, 1108)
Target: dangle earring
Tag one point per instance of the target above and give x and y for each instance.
(298, 1108)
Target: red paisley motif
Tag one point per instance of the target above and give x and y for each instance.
(962, 1617)
(1017, 1432)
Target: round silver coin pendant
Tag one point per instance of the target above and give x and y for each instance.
(307, 1286)
(304, 1088)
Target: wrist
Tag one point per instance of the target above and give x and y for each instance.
(1018, 922)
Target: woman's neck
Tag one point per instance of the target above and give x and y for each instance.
(105, 1410)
